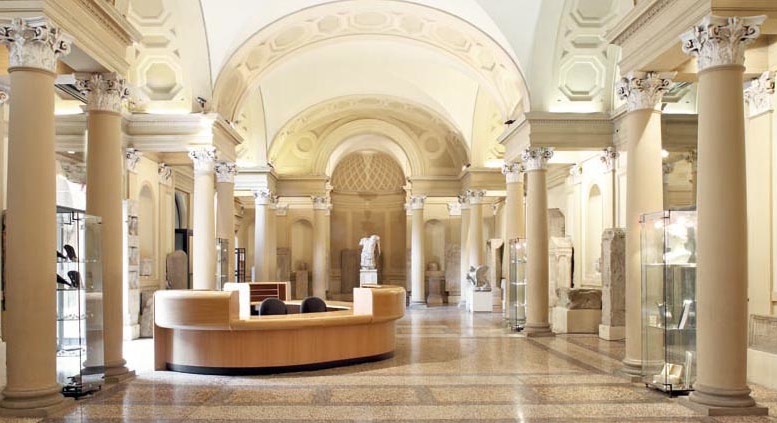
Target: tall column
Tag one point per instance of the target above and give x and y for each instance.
(718, 44)
(475, 239)
(454, 214)
(535, 164)
(30, 272)
(263, 198)
(464, 250)
(204, 259)
(514, 218)
(225, 211)
(320, 242)
(417, 245)
(104, 179)
(644, 190)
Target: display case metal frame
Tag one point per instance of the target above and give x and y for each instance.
(79, 316)
(668, 256)
(516, 307)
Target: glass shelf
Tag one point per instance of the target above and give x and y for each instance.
(668, 253)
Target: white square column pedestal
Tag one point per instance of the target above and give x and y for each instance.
(368, 277)
(479, 301)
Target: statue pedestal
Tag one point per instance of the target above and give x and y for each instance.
(479, 301)
(368, 277)
(300, 284)
(436, 281)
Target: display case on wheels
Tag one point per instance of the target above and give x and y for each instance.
(516, 295)
(79, 314)
(668, 249)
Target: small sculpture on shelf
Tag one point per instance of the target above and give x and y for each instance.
(478, 278)
(370, 252)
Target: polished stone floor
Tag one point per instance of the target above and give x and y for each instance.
(449, 366)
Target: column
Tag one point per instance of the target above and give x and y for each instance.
(514, 221)
(644, 190)
(263, 198)
(320, 243)
(535, 163)
(104, 179)
(464, 250)
(225, 211)
(204, 251)
(475, 238)
(417, 245)
(272, 240)
(28, 326)
(718, 44)
(454, 294)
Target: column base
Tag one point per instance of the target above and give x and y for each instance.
(632, 369)
(537, 330)
(612, 333)
(716, 410)
(40, 403)
(118, 372)
(415, 304)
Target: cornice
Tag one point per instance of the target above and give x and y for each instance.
(642, 13)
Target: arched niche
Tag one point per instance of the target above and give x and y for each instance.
(434, 238)
(147, 230)
(594, 226)
(301, 240)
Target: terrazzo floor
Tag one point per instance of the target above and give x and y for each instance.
(449, 366)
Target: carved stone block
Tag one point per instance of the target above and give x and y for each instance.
(614, 277)
(453, 269)
(283, 261)
(579, 298)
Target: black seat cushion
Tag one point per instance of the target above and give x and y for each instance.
(312, 305)
(272, 306)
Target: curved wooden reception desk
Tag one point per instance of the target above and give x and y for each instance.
(208, 332)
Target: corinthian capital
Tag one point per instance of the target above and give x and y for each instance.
(475, 196)
(131, 159)
(417, 202)
(204, 158)
(33, 43)
(513, 172)
(536, 158)
(3, 96)
(105, 92)
(264, 197)
(721, 41)
(759, 94)
(609, 157)
(225, 172)
(643, 90)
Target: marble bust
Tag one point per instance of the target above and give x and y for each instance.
(370, 251)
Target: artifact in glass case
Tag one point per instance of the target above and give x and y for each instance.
(516, 288)
(668, 253)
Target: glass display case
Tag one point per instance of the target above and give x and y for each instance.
(516, 287)
(668, 249)
(79, 303)
(222, 262)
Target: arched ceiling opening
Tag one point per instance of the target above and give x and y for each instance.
(410, 23)
(368, 172)
(421, 140)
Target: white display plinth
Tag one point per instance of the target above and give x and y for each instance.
(479, 301)
(576, 321)
(368, 277)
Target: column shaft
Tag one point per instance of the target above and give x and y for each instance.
(320, 242)
(475, 238)
(417, 245)
(464, 250)
(261, 271)
(537, 254)
(28, 320)
(721, 288)
(103, 199)
(225, 223)
(204, 251)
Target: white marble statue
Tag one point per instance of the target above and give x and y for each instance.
(370, 251)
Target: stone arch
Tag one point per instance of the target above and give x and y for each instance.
(485, 59)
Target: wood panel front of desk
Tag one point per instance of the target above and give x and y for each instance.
(267, 351)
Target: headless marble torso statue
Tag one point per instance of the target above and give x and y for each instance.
(370, 251)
